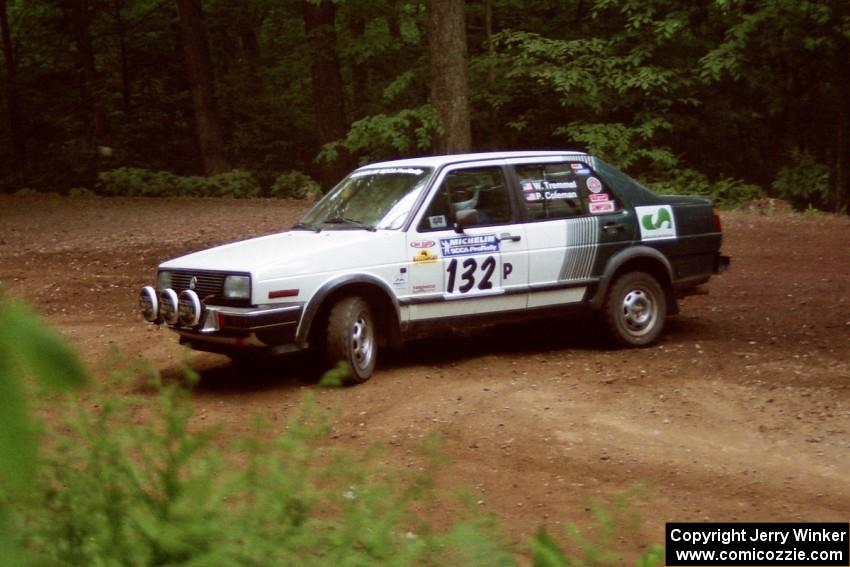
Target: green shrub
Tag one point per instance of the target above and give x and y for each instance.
(81, 192)
(725, 192)
(295, 185)
(126, 480)
(137, 182)
(122, 490)
(804, 182)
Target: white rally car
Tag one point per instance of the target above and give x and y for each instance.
(401, 247)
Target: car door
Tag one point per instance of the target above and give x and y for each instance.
(574, 224)
(481, 269)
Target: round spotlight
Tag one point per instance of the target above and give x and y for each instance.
(149, 304)
(189, 308)
(168, 306)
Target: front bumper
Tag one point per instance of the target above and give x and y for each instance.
(228, 330)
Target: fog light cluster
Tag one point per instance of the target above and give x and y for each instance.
(166, 307)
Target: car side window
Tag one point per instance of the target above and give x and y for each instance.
(482, 189)
(563, 190)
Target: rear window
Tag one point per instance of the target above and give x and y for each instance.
(563, 190)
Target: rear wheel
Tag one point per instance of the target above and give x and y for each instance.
(635, 309)
(351, 337)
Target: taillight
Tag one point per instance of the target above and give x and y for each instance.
(716, 216)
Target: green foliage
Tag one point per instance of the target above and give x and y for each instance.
(136, 182)
(118, 489)
(611, 522)
(81, 192)
(803, 182)
(336, 376)
(380, 136)
(27, 348)
(295, 185)
(131, 480)
(725, 192)
(622, 144)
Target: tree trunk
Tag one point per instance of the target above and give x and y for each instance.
(328, 94)
(122, 52)
(81, 16)
(199, 71)
(492, 143)
(447, 54)
(13, 103)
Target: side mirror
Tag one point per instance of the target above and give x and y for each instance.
(466, 218)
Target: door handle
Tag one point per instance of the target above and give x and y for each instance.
(613, 226)
(511, 237)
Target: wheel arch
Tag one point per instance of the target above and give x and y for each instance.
(375, 291)
(637, 259)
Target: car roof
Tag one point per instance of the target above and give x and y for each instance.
(439, 161)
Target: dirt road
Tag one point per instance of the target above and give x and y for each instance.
(742, 412)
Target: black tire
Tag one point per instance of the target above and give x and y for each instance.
(635, 309)
(351, 337)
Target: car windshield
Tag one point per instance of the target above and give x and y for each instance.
(369, 199)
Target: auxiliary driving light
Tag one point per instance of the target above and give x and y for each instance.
(189, 308)
(149, 304)
(168, 306)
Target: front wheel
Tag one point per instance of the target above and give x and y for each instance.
(635, 309)
(351, 337)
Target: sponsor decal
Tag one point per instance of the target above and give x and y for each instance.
(437, 221)
(583, 171)
(424, 288)
(606, 207)
(599, 197)
(656, 222)
(582, 240)
(425, 257)
(423, 243)
(577, 165)
(549, 190)
(400, 280)
(388, 171)
(558, 195)
(468, 245)
(561, 185)
(594, 185)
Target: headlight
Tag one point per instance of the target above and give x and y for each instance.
(237, 287)
(189, 308)
(163, 280)
(149, 304)
(168, 306)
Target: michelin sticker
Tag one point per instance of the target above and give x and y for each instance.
(468, 245)
(656, 222)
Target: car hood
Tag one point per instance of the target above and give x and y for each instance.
(296, 252)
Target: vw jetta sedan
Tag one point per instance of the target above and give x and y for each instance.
(404, 247)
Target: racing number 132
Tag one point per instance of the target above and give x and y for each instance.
(470, 266)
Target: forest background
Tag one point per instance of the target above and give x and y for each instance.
(737, 99)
